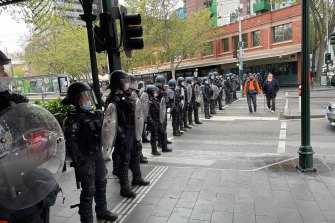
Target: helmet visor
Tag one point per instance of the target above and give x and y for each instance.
(125, 83)
(86, 100)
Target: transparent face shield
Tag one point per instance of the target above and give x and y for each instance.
(125, 83)
(86, 100)
(133, 84)
(6, 74)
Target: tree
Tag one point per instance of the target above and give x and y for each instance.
(167, 37)
(65, 50)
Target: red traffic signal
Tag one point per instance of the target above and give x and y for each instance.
(132, 32)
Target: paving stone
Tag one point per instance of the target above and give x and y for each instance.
(185, 204)
(244, 213)
(202, 210)
(279, 184)
(243, 195)
(283, 199)
(309, 210)
(195, 182)
(329, 215)
(140, 214)
(224, 204)
(56, 219)
(150, 200)
(189, 196)
(228, 175)
(326, 205)
(301, 192)
(199, 174)
(207, 195)
(266, 219)
(156, 219)
(164, 207)
(316, 186)
(180, 215)
(192, 187)
(264, 206)
(222, 217)
(289, 215)
(197, 221)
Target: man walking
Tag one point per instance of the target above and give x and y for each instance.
(270, 89)
(251, 89)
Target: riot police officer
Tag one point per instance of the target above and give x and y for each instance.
(212, 103)
(196, 88)
(82, 129)
(182, 92)
(36, 210)
(175, 107)
(190, 99)
(159, 83)
(207, 93)
(155, 126)
(217, 82)
(228, 90)
(127, 149)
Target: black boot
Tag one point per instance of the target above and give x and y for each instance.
(136, 169)
(145, 139)
(154, 148)
(177, 134)
(101, 204)
(125, 190)
(86, 199)
(188, 126)
(116, 162)
(196, 116)
(143, 159)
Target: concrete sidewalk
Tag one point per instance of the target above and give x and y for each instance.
(253, 189)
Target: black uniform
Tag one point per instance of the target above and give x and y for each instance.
(190, 107)
(218, 83)
(207, 95)
(162, 136)
(154, 125)
(176, 109)
(82, 130)
(181, 107)
(229, 91)
(126, 145)
(195, 105)
(185, 110)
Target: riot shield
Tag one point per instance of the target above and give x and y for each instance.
(32, 153)
(108, 130)
(197, 92)
(162, 110)
(189, 93)
(182, 93)
(139, 120)
(134, 95)
(216, 91)
(145, 104)
(141, 92)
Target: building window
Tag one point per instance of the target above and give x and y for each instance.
(225, 45)
(208, 49)
(256, 38)
(282, 33)
(244, 40)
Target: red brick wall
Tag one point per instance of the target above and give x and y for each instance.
(193, 5)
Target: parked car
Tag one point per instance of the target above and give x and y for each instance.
(330, 112)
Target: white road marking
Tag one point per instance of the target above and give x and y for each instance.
(126, 206)
(283, 125)
(286, 104)
(242, 118)
(273, 164)
(286, 94)
(281, 147)
(282, 134)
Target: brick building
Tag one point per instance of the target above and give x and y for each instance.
(272, 42)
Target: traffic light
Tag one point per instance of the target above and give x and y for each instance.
(332, 38)
(235, 54)
(328, 58)
(132, 32)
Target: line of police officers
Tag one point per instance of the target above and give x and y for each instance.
(132, 105)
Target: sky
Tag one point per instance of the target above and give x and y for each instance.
(12, 33)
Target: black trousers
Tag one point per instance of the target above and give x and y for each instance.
(252, 98)
(175, 119)
(271, 102)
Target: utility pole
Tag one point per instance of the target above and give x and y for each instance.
(305, 151)
(240, 44)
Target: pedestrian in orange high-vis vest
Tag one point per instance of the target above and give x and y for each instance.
(251, 89)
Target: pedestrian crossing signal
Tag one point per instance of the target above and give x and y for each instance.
(332, 38)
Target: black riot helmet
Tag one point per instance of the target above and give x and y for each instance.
(119, 79)
(211, 76)
(80, 95)
(140, 85)
(151, 90)
(205, 80)
(216, 74)
(189, 80)
(172, 83)
(180, 81)
(160, 80)
(133, 82)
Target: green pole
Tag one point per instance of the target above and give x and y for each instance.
(114, 58)
(89, 18)
(305, 151)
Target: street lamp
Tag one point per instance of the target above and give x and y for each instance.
(240, 43)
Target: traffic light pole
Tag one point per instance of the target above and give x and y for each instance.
(113, 51)
(88, 17)
(305, 151)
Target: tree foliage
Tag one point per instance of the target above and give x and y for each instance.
(64, 50)
(167, 37)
